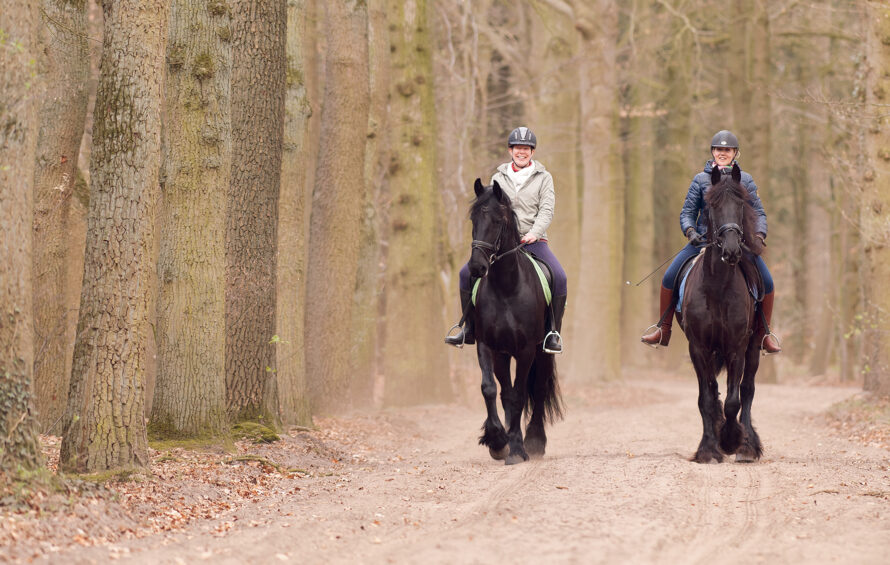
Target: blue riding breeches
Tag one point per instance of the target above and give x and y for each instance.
(668, 280)
(541, 250)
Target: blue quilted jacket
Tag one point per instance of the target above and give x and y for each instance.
(695, 211)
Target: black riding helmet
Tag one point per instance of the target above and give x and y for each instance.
(522, 136)
(724, 138)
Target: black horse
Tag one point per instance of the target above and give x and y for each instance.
(510, 315)
(718, 318)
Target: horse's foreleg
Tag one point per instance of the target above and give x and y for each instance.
(493, 434)
(514, 401)
(731, 432)
(751, 449)
(708, 406)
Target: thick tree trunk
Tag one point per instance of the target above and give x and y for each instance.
(335, 225)
(369, 302)
(19, 447)
(62, 113)
(553, 115)
(598, 309)
(258, 87)
(104, 426)
(676, 161)
(876, 205)
(412, 344)
(639, 304)
(189, 392)
(293, 224)
(749, 85)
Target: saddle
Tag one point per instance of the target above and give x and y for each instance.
(544, 274)
(752, 276)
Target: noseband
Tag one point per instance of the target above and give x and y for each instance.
(494, 248)
(726, 228)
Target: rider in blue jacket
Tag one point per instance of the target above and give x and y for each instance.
(693, 222)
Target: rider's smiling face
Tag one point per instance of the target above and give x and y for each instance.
(723, 156)
(521, 155)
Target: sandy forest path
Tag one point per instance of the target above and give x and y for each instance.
(615, 486)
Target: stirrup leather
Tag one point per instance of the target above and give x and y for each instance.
(544, 345)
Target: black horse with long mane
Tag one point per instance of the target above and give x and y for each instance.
(718, 316)
(510, 315)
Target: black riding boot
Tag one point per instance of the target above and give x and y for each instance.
(465, 335)
(553, 343)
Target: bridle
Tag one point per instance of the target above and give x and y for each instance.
(494, 248)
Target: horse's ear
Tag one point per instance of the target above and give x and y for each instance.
(736, 172)
(498, 192)
(478, 187)
(715, 175)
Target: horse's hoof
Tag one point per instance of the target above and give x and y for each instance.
(535, 447)
(499, 454)
(746, 455)
(708, 457)
(513, 459)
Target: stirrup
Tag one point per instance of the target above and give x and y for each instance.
(462, 340)
(653, 345)
(764, 352)
(544, 345)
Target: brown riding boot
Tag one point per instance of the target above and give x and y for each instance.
(662, 335)
(770, 344)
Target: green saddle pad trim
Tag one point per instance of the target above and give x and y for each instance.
(543, 278)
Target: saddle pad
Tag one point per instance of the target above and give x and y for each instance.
(541, 276)
(752, 278)
(685, 275)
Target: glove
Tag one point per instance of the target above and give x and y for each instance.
(695, 238)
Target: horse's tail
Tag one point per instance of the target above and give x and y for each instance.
(543, 386)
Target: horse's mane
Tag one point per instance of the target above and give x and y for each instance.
(728, 189)
(488, 198)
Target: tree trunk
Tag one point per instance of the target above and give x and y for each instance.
(412, 346)
(293, 223)
(369, 302)
(553, 114)
(19, 446)
(598, 354)
(336, 207)
(639, 304)
(104, 426)
(876, 205)
(62, 113)
(676, 161)
(258, 88)
(189, 393)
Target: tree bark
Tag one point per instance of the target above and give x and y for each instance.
(412, 339)
(598, 348)
(293, 227)
(876, 204)
(104, 426)
(335, 223)
(258, 87)
(553, 114)
(639, 305)
(62, 114)
(369, 302)
(19, 445)
(189, 393)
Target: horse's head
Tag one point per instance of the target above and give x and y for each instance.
(731, 218)
(494, 227)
